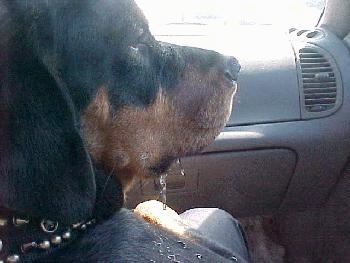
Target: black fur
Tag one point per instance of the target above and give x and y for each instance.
(54, 54)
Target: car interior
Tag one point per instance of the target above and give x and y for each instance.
(283, 157)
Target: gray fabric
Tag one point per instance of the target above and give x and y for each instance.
(219, 226)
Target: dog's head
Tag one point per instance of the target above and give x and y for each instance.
(87, 79)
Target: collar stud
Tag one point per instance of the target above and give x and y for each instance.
(3, 222)
(12, 259)
(44, 245)
(56, 240)
(19, 221)
(48, 226)
(66, 235)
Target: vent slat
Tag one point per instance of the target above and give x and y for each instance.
(308, 49)
(322, 90)
(319, 83)
(319, 101)
(313, 60)
(318, 108)
(316, 70)
(321, 95)
(314, 80)
(310, 55)
(316, 64)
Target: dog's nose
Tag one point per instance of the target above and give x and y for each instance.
(232, 69)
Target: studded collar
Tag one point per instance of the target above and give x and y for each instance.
(25, 239)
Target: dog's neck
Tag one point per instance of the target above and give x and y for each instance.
(26, 239)
(109, 194)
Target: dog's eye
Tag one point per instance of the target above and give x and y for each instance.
(144, 36)
(141, 47)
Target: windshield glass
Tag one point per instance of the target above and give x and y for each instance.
(281, 13)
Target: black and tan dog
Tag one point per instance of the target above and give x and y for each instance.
(89, 100)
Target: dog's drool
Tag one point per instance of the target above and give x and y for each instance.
(163, 184)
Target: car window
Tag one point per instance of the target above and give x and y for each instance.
(281, 13)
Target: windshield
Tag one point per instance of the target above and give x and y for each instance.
(281, 13)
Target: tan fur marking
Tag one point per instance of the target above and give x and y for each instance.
(136, 133)
(181, 121)
(96, 122)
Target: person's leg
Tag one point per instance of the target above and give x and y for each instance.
(219, 226)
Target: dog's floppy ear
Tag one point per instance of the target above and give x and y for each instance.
(45, 170)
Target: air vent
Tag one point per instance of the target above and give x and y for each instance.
(319, 81)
